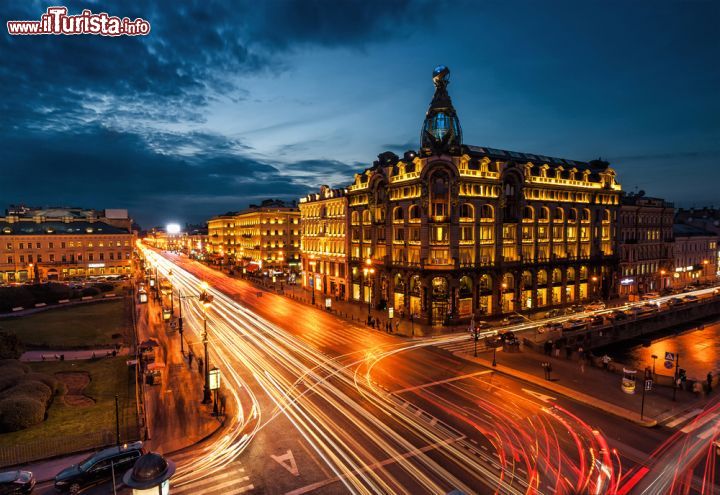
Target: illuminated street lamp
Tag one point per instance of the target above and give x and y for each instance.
(369, 270)
(311, 263)
(704, 272)
(172, 303)
(206, 300)
(503, 288)
(594, 280)
(662, 278)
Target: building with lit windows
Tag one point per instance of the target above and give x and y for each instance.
(264, 237)
(323, 218)
(695, 255)
(456, 230)
(645, 233)
(39, 244)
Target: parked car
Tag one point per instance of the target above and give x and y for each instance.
(650, 295)
(554, 313)
(513, 320)
(575, 324)
(691, 298)
(595, 306)
(617, 316)
(597, 321)
(576, 308)
(508, 337)
(675, 301)
(550, 327)
(16, 482)
(98, 468)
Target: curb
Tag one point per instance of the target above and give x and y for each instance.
(563, 390)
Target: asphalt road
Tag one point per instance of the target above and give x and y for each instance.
(341, 408)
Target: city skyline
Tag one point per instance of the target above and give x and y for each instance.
(209, 113)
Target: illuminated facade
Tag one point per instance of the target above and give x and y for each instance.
(456, 230)
(695, 255)
(264, 237)
(323, 217)
(645, 232)
(63, 243)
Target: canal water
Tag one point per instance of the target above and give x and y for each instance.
(697, 344)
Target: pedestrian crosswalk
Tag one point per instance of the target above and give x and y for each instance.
(230, 480)
(465, 346)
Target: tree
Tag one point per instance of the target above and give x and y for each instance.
(10, 345)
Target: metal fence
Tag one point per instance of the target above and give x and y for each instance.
(12, 455)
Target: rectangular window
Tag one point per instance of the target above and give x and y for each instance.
(22, 258)
(102, 256)
(22, 245)
(399, 235)
(466, 233)
(414, 234)
(52, 257)
(486, 233)
(10, 260)
(39, 258)
(30, 258)
(439, 234)
(91, 257)
(50, 245)
(37, 245)
(527, 233)
(509, 232)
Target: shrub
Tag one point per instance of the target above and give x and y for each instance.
(30, 389)
(10, 345)
(17, 413)
(89, 291)
(10, 376)
(103, 287)
(49, 380)
(6, 364)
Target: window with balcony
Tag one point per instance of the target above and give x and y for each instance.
(439, 234)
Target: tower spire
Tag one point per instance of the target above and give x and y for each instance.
(441, 131)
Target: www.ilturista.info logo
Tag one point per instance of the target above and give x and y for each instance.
(57, 21)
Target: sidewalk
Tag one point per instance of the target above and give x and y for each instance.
(175, 416)
(51, 355)
(593, 386)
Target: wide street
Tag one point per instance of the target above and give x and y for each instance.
(342, 408)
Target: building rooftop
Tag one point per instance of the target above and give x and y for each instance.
(684, 230)
(59, 228)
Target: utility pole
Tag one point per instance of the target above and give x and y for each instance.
(677, 366)
(117, 421)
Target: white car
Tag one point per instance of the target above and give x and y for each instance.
(595, 306)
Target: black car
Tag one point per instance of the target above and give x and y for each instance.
(16, 482)
(98, 468)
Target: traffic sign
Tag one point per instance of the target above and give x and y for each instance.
(669, 364)
(669, 356)
(648, 385)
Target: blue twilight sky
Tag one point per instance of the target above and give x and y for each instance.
(227, 103)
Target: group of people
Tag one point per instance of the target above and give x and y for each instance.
(387, 325)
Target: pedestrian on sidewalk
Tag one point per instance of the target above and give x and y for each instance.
(709, 381)
(200, 365)
(549, 370)
(557, 351)
(582, 363)
(606, 362)
(190, 358)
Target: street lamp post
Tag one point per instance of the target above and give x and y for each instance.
(172, 303)
(662, 279)
(594, 280)
(367, 271)
(503, 287)
(206, 300)
(654, 357)
(311, 263)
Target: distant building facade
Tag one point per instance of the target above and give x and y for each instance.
(324, 242)
(264, 237)
(455, 230)
(39, 244)
(645, 232)
(696, 252)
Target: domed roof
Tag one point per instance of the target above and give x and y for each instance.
(441, 131)
(149, 470)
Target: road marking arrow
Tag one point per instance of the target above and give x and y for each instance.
(538, 395)
(287, 461)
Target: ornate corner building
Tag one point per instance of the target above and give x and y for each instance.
(456, 230)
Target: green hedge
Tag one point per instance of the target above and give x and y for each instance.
(18, 413)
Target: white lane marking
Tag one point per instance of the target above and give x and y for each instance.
(439, 382)
(685, 417)
(287, 460)
(538, 395)
(698, 423)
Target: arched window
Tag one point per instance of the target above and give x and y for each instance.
(558, 215)
(542, 277)
(544, 214)
(415, 285)
(465, 289)
(485, 283)
(571, 274)
(606, 216)
(528, 213)
(487, 212)
(526, 279)
(508, 282)
(414, 213)
(467, 212)
(583, 272)
(572, 215)
(366, 216)
(586, 215)
(556, 276)
(398, 214)
(354, 218)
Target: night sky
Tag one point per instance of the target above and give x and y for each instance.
(227, 103)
